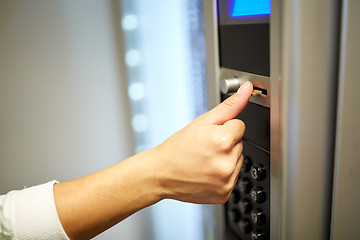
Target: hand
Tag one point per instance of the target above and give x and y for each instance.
(201, 162)
(198, 164)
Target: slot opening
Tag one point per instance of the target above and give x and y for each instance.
(263, 91)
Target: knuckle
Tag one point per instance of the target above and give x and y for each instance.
(242, 124)
(223, 191)
(242, 127)
(230, 102)
(226, 170)
(224, 197)
(225, 142)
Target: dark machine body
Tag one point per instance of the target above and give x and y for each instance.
(244, 46)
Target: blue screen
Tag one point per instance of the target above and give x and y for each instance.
(242, 8)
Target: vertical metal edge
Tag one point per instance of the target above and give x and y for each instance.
(342, 57)
(213, 215)
(346, 197)
(275, 129)
(212, 52)
(303, 117)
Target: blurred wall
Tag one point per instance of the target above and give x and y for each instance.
(63, 95)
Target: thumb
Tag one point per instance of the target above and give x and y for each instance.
(231, 107)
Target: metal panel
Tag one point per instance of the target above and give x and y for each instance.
(275, 120)
(303, 84)
(258, 81)
(214, 221)
(346, 196)
(212, 52)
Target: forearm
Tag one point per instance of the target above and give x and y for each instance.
(87, 206)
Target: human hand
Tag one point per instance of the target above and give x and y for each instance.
(198, 164)
(201, 162)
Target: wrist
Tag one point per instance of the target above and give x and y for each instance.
(156, 167)
(150, 175)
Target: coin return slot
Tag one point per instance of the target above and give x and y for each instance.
(259, 91)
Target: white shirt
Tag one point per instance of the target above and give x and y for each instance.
(30, 214)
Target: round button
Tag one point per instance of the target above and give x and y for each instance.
(258, 172)
(258, 235)
(245, 226)
(245, 206)
(246, 164)
(234, 215)
(258, 216)
(244, 185)
(230, 85)
(234, 197)
(258, 194)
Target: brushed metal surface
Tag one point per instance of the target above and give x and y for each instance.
(213, 215)
(212, 52)
(303, 60)
(346, 194)
(257, 80)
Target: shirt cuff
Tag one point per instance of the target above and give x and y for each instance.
(34, 215)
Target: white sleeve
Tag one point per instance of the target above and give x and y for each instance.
(30, 214)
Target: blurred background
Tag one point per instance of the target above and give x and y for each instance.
(85, 84)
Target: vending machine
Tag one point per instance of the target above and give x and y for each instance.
(299, 155)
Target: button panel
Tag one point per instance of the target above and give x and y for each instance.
(244, 185)
(258, 216)
(258, 172)
(258, 194)
(248, 208)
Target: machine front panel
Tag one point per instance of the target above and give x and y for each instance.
(244, 50)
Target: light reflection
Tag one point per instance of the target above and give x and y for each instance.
(129, 22)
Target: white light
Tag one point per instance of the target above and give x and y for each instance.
(139, 123)
(136, 91)
(132, 58)
(129, 22)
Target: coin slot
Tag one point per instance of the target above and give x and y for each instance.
(259, 91)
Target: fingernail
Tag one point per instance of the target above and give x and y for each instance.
(244, 87)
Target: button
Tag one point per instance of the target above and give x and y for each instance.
(258, 235)
(258, 216)
(230, 85)
(234, 215)
(245, 206)
(246, 164)
(244, 185)
(234, 197)
(258, 194)
(258, 172)
(245, 226)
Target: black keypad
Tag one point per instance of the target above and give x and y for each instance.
(245, 206)
(234, 215)
(234, 197)
(245, 226)
(258, 172)
(258, 235)
(246, 164)
(248, 208)
(258, 216)
(244, 185)
(258, 194)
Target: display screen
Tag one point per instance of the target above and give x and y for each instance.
(246, 8)
(244, 35)
(244, 11)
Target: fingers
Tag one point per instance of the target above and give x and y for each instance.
(235, 176)
(236, 128)
(231, 107)
(237, 150)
